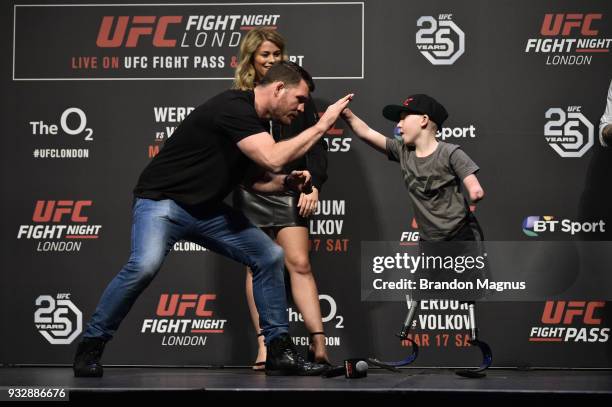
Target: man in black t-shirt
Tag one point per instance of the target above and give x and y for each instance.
(179, 196)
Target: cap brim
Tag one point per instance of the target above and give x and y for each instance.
(394, 112)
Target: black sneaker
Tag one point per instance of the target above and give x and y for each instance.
(284, 360)
(87, 358)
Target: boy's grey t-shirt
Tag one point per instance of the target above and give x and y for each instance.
(434, 185)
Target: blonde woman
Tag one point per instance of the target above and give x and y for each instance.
(284, 216)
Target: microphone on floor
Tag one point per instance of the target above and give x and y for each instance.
(352, 369)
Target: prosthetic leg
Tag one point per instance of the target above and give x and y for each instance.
(487, 355)
(403, 335)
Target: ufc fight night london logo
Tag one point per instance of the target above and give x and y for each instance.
(440, 40)
(568, 131)
(570, 39)
(174, 41)
(184, 319)
(60, 225)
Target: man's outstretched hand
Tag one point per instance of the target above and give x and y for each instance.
(332, 113)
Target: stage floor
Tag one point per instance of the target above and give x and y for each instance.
(239, 383)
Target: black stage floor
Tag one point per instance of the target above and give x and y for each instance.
(235, 383)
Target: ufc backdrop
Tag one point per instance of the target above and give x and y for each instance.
(90, 92)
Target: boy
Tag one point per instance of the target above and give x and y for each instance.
(433, 170)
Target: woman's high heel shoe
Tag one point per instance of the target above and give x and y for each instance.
(259, 366)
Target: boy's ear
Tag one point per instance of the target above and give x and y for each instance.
(425, 121)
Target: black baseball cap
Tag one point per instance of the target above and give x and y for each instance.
(419, 104)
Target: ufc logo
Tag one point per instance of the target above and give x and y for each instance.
(562, 312)
(54, 211)
(563, 24)
(139, 26)
(178, 304)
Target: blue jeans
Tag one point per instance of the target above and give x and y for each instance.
(157, 225)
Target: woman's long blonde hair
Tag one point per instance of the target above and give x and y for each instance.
(244, 77)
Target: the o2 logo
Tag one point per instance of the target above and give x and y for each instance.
(441, 41)
(568, 132)
(80, 127)
(58, 319)
(73, 122)
(326, 316)
(333, 311)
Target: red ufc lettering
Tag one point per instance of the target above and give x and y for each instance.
(589, 315)
(179, 304)
(46, 211)
(564, 24)
(566, 314)
(141, 26)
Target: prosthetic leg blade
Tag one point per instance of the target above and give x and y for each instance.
(487, 359)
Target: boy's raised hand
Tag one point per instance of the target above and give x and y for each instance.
(334, 110)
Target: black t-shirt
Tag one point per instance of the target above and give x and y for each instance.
(315, 159)
(201, 163)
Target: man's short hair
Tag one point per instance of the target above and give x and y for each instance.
(289, 73)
